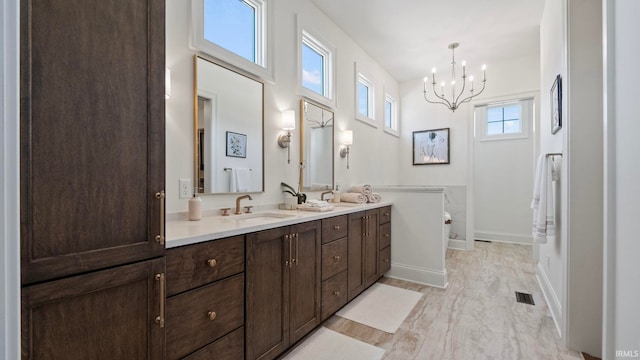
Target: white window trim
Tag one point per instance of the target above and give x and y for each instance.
(395, 118)
(263, 67)
(371, 95)
(526, 116)
(329, 52)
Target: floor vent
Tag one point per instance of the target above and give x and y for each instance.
(524, 298)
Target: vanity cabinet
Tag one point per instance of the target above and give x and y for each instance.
(363, 251)
(334, 264)
(283, 287)
(385, 240)
(92, 176)
(205, 307)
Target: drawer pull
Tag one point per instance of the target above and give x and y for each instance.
(386, 260)
(336, 227)
(336, 258)
(387, 235)
(336, 293)
(212, 263)
(386, 214)
(212, 315)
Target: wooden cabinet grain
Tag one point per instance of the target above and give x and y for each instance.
(283, 288)
(363, 251)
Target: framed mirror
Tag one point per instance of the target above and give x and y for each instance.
(228, 130)
(316, 146)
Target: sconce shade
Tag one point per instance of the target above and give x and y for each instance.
(288, 120)
(167, 83)
(347, 137)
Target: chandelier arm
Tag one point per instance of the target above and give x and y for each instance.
(434, 102)
(464, 83)
(442, 98)
(472, 96)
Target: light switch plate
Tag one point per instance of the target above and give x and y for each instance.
(185, 188)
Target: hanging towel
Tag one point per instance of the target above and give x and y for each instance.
(351, 197)
(240, 179)
(542, 203)
(363, 189)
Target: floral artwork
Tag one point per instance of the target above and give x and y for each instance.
(236, 145)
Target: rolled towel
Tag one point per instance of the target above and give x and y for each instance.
(351, 197)
(363, 189)
(374, 198)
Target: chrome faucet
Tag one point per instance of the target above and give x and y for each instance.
(325, 193)
(238, 202)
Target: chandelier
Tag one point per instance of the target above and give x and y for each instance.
(455, 101)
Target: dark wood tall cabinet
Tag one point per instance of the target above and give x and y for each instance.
(363, 251)
(92, 178)
(283, 288)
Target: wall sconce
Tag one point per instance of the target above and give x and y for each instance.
(347, 141)
(288, 123)
(167, 83)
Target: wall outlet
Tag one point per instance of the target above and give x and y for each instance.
(185, 188)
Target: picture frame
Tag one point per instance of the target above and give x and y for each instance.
(556, 105)
(236, 145)
(431, 147)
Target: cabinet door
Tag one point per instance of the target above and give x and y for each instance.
(370, 248)
(304, 298)
(267, 287)
(92, 134)
(355, 277)
(109, 314)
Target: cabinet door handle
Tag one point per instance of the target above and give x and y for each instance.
(336, 227)
(295, 260)
(336, 258)
(160, 196)
(212, 315)
(336, 293)
(212, 263)
(288, 262)
(160, 318)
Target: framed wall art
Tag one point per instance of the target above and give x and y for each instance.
(431, 147)
(236, 145)
(556, 105)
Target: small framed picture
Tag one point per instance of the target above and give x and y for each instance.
(556, 105)
(431, 147)
(236, 145)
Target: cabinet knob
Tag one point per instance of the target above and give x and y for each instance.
(387, 235)
(386, 214)
(336, 258)
(336, 293)
(386, 260)
(336, 227)
(212, 263)
(212, 315)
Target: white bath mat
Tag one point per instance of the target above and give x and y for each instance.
(326, 344)
(382, 307)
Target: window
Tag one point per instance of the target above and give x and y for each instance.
(316, 69)
(234, 31)
(504, 119)
(390, 115)
(365, 107)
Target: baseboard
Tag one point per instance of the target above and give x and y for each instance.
(457, 244)
(503, 237)
(550, 296)
(423, 276)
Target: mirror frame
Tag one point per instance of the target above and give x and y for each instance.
(195, 120)
(333, 142)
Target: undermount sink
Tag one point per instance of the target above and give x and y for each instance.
(262, 216)
(346, 204)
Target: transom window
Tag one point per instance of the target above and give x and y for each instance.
(390, 115)
(504, 119)
(316, 68)
(365, 96)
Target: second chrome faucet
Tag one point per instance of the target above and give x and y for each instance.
(238, 202)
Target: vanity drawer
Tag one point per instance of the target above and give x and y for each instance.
(385, 214)
(334, 228)
(195, 265)
(334, 258)
(230, 347)
(334, 294)
(385, 260)
(197, 317)
(385, 235)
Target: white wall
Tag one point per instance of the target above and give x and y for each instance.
(622, 196)
(9, 182)
(417, 115)
(374, 153)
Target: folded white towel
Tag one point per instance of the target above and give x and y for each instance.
(351, 197)
(363, 189)
(542, 203)
(315, 205)
(374, 198)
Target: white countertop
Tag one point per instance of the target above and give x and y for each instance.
(183, 232)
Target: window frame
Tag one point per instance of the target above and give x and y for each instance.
(527, 106)
(263, 65)
(328, 52)
(370, 118)
(395, 119)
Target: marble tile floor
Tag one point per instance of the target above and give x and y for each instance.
(476, 316)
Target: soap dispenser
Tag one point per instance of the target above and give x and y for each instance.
(195, 208)
(336, 194)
